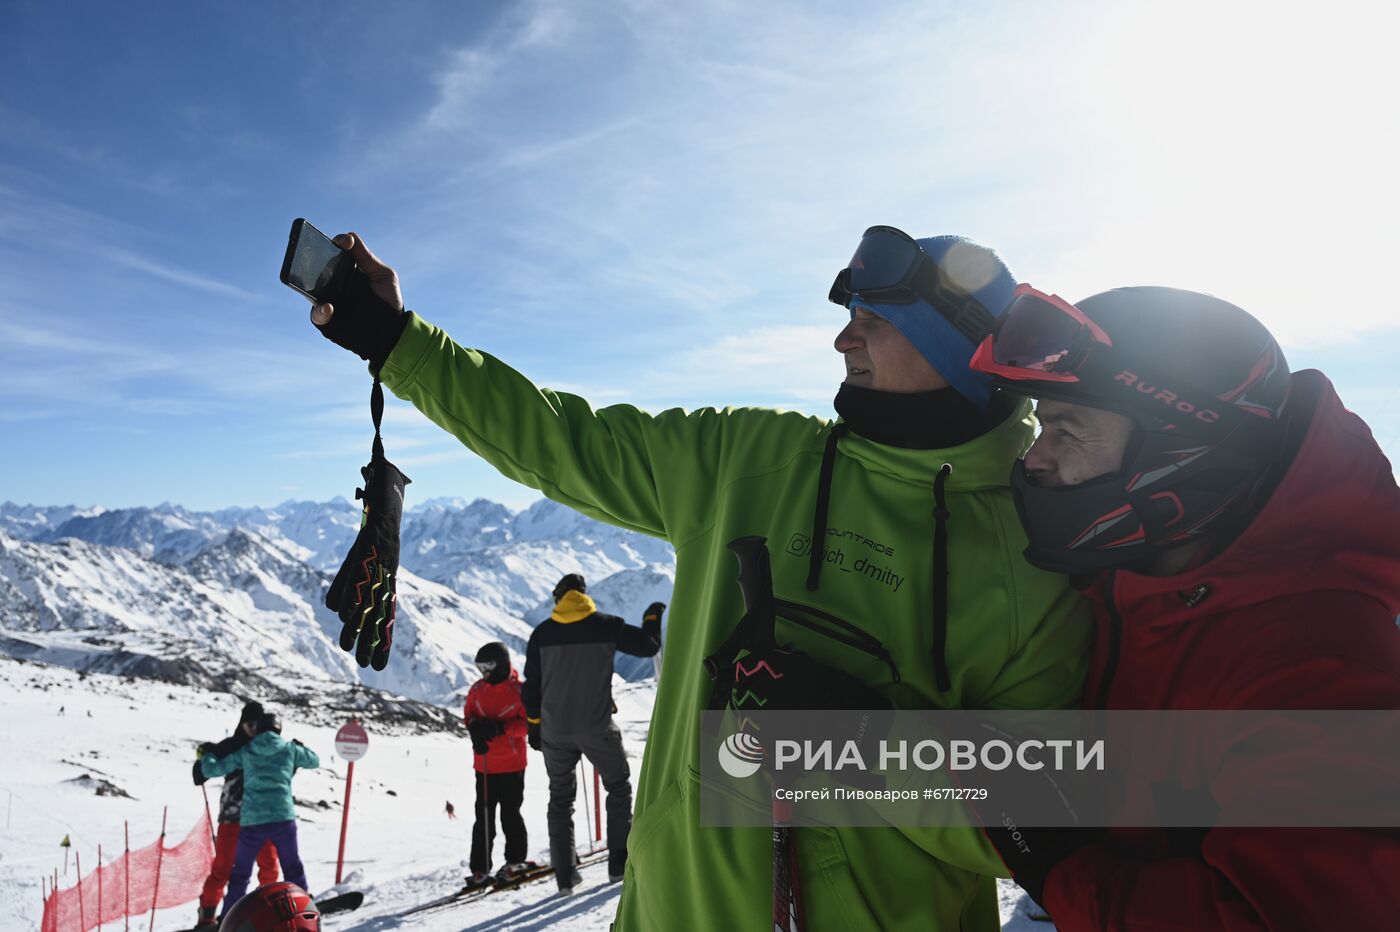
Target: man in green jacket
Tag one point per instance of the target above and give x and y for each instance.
(913, 477)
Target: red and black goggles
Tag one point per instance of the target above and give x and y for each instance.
(1039, 337)
(1043, 338)
(890, 267)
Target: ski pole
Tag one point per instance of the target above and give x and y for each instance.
(788, 912)
(208, 816)
(587, 819)
(597, 807)
(486, 835)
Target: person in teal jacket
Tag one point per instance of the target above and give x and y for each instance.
(856, 512)
(268, 763)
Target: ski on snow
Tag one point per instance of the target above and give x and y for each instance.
(467, 894)
(343, 903)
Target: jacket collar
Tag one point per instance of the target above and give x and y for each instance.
(981, 463)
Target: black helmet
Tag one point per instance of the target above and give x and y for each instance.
(269, 721)
(570, 582)
(252, 711)
(1205, 385)
(493, 660)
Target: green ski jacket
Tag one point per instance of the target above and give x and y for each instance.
(268, 763)
(1016, 637)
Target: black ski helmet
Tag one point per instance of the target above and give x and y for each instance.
(570, 582)
(269, 721)
(498, 658)
(1205, 385)
(252, 711)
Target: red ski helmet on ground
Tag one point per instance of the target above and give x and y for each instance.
(276, 907)
(1206, 386)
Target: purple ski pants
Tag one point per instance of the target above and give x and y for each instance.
(251, 839)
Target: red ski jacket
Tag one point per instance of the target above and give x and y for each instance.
(500, 701)
(1299, 612)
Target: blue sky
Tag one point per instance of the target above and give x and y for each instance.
(638, 201)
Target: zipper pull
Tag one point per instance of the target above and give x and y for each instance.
(1196, 596)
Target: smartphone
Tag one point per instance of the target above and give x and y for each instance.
(314, 265)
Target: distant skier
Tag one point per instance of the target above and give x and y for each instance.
(451, 810)
(268, 763)
(568, 698)
(495, 717)
(230, 806)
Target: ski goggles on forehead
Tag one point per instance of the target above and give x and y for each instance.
(1040, 337)
(890, 267)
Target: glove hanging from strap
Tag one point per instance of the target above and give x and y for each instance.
(363, 593)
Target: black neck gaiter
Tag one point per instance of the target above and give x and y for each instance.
(918, 420)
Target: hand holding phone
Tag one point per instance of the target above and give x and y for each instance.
(357, 300)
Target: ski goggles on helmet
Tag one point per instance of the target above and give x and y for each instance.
(890, 267)
(1039, 337)
(486, 667)
(1042, 338)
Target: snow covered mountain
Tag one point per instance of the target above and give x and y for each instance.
(235, 595)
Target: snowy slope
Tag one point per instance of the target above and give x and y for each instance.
(401, 848)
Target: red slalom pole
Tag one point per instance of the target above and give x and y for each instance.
(126, 870)
(597, 806)
(160, 856)
(82, 914)
(99, 887)
(344, 820)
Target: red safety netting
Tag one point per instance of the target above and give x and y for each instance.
(105, 895)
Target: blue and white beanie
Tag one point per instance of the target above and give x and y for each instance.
(970, 267)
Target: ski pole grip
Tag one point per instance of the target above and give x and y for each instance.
(756, 584)
(755, 573)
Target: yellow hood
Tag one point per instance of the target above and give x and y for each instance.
(574, 606)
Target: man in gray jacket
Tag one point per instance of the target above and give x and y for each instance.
(569, 709)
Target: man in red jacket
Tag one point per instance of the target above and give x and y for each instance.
(1236, 528)
(495, 717)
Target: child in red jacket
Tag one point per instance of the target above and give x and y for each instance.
(495, 717)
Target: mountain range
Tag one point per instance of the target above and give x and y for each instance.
(232, 598)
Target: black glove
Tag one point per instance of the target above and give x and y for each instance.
(1030, 853)
(197, 774)
(363, 592)
(653, 612)
(1016, 797)
(363, 322)
(482, 731)
(533, 732)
